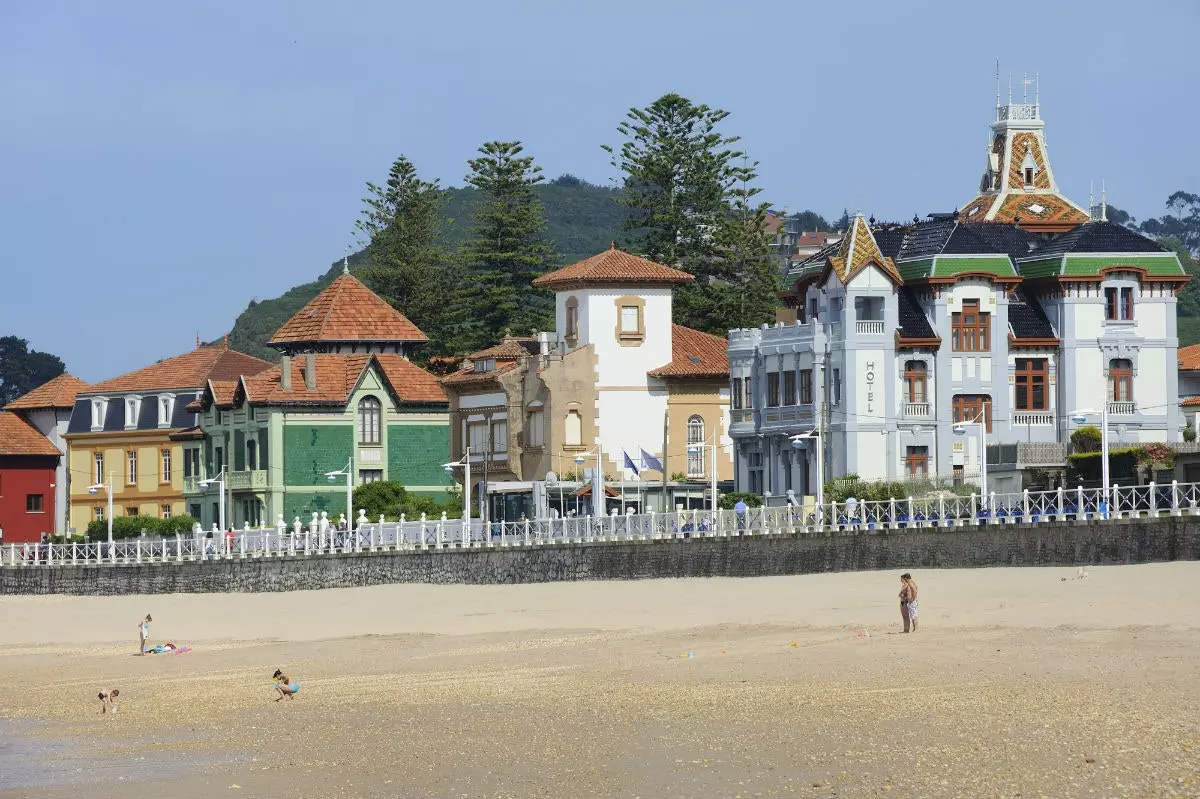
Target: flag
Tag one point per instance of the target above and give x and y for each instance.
(651, 462)
(629, 464)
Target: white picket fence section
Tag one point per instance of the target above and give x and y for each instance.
(942, 511)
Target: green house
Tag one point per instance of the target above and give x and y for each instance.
(344, 399)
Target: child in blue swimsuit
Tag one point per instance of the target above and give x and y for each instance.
(284, 685)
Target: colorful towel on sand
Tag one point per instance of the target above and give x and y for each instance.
(168, 649)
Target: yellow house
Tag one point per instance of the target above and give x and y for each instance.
(126, 435)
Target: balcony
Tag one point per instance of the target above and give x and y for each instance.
(1122, 408)
(1033, 419)
(1027, 454)
(247, 481)
(870, 327)
(741, 415)
(916, 410)
(191, 485)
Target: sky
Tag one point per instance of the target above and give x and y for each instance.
(162, 164)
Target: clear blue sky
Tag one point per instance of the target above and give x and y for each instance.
(162, 163)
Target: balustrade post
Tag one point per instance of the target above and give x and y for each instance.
(74, 552)
(441, 530)
(833, 515)
(941, 519)
(1080, 508)
(974, 508)
(1061, 504)
(1153, 500)
(1025, 505)
(1174, 497)
(1115, 510)
(587, 527)
(49, 554)
(503, 534)
(12, 554)
(695, 523)
(137, 549)
(526, 532)
(911, 517)
(308, 542)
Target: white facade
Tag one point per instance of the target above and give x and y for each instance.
(52, 423)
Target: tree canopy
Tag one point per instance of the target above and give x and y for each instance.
(22, 369)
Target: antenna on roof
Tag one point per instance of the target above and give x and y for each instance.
(1103, 202)
(1037, 91)
(1010, 88)
(997, 88)
(197, 339)
(1025, 88)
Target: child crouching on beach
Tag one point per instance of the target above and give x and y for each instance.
(284, 685)
(108, 701)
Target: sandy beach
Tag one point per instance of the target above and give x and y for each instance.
(1019, 683)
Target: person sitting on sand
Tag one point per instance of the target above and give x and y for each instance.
(284, 685)
(144, 633)
(108, 701)
(909, 608)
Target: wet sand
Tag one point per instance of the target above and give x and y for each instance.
(1018, 684)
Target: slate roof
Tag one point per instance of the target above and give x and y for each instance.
(913, 321)
(695, 354)
(190, 370)
(183, 415)
(813, 264)
(614, 266)
(1027, 319)
(347, 311)
(926, 239)
(1106, 237)
(19, 437)
(59, 392)
(336, 377)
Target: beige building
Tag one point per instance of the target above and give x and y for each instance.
(615, 378)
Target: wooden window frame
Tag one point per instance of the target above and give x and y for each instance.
(965, 407)
(916, 462)
(914, 377)
(1030, 374)
(370, 415)
(1120, 375)
(789, 388)
(806, 387)
(969, 335)
(772, 389)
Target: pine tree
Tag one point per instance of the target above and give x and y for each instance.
(751, 278)
(507, 251)
(402, 223)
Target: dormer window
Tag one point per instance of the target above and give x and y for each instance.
(572, 319)
(99, 411)
(485, 365)
(133, 407)
(1029, 169)
(166, 409)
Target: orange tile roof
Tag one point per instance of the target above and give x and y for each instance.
(613, 266)
(1191, 402)
(509, 349)
(1189, 357)
(56, 393)
(695, 354)
(466, 377)
(337, 376)
(190, 370)
(347, 311)
(223, 391)
(19, 437)
(188, 433)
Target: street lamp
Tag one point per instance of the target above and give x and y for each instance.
(1079, 417)
(220, 481)
(348, 473)
(466, 464)
(108, 516)
(961, 429)
(815, 435)
(697, 449)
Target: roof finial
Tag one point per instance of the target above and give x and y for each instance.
(612, 245)
(197, 339)
(1024, 88)
(346, 261)
(226, 341)
(1037, 92)
(1103, 202)
(997, 89)
(1010, 88)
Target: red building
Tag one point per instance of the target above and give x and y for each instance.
(28, 462)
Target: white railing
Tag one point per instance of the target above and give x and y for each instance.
(1031, 419)
(916, 410)
(870, 327)
(942, 510)
(1121, 408)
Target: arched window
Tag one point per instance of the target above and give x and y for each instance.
(695, 455)
(573, 435)
(369, 413)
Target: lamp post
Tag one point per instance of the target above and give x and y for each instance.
(465, 462)
(220, 481)
(348, 472)
(815, 435)
(108, 514)
(698, 448)
(1079, 417)
(961, 429)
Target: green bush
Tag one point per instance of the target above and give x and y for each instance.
(1189, 432)
(391, 499)
(134, 526)
(1086, 466)
(727, 501)
(1086, 439)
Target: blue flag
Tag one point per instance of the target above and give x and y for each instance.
(629, 464)
(651, 462)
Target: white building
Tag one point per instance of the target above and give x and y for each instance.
(1016, 312)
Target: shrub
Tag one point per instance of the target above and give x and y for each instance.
(727, 501)
(1086, 466)
(678, 477)
(1086, 439)
(1189, 432)
(391, 499)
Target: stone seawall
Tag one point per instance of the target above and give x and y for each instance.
(1057, 544)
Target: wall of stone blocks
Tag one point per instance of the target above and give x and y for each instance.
(1066, 544)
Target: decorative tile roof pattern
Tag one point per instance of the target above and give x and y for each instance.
(336, 378)
(858, 250)
(914, 324)
(695, 354)
(1189, 358)
(58, 392)
(190, 370)
(1028, 320)
(347, 311)
(613, 266)
(1010, 208)
(19, 437)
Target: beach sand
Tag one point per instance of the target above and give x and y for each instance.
(1018, 684)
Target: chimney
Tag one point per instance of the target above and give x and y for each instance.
(285, 373)
(310, 372)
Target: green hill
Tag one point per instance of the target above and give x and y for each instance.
(582, 219)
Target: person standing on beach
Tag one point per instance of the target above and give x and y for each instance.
(144, 633)
(908, 601)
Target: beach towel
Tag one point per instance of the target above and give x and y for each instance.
(168, 649)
